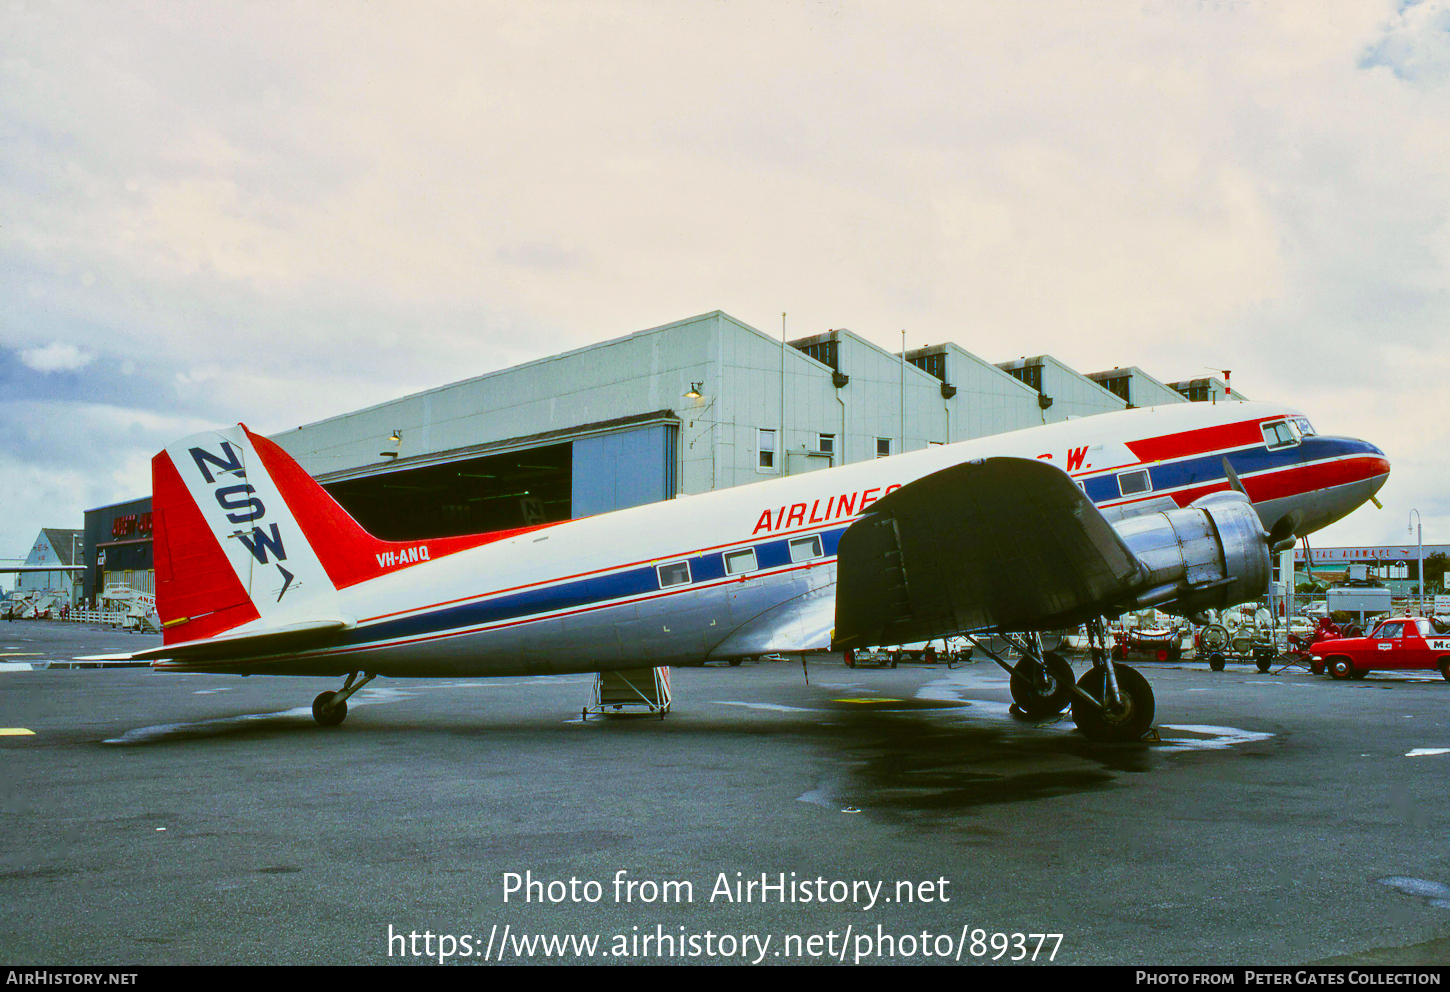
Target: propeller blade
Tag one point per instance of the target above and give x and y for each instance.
(1233, 477)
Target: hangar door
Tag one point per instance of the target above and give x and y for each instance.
(626, 468)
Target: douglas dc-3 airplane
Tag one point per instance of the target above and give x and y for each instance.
(259, 571)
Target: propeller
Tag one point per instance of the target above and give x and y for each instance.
(1233, 477)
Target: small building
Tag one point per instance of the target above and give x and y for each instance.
(53, 546)
(1209, 389)
(117, 548)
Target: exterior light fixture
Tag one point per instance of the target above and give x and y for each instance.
(396, 438)
(694, 391)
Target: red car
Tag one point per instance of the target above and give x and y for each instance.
(1397, 644)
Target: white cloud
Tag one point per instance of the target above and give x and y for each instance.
(56, 357)
(311, 208)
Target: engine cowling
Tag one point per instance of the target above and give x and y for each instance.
(1209, 555)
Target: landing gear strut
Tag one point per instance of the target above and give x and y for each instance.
(1041, 682)
(1112, 702)
(330, 708)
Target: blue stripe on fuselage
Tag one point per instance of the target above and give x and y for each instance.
(591, 591)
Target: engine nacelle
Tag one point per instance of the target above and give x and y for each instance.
(1209, 555)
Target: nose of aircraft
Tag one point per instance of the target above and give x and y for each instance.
(1349, 473)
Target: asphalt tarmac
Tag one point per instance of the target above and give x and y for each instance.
(164, 819)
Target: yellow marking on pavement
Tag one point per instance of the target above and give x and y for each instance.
(16, 732)
(873, 699)
(20, 654)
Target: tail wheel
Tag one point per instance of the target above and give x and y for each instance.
(1047, 699)
(1215, 661)
(327, 713)
(1130, 722)
(1339, 668)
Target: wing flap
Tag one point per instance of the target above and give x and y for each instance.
(999, 543)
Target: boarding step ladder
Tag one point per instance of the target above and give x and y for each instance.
(639, 691)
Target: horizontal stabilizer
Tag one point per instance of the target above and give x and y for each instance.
(289, 637)
(1000, 543)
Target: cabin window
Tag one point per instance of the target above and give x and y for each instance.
(737, 562)
(1132, 483)
(1280, 434)
(806, 548)
(676, 573)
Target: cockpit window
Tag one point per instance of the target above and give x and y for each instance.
(1305, 427)
(1280, 434)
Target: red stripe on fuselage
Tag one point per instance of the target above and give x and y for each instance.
(1201, 441)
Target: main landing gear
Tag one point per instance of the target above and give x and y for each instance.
(330, 708)
(1111, 702)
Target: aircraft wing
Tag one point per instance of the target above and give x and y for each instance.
(1008, 543)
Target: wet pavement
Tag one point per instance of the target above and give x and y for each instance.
(162, 818)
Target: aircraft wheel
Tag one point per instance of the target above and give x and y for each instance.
(328, 717)
(1032, 700)
(1216, 662)
(735, 662)
(895, 658)
(1445, 668)
(1264, 662)
(1340, 668)
(1131, 722)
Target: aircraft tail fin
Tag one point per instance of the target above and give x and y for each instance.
(242, 533)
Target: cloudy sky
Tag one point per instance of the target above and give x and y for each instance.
(276, 212)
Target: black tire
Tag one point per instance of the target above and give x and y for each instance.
(1119, 652)
(1445, 669)
(1033, 701)
(1131, 724)
(1339, 667)
(1359, 673)
(735, 662)
(328, 717)
(1317, 667)
(1175, 654)
(895, 658)
(1353, 630)
(849, 657)
(1216, 662)
(1264, 662)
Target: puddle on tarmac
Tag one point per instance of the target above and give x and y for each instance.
(1435, 894)
(911, 758)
